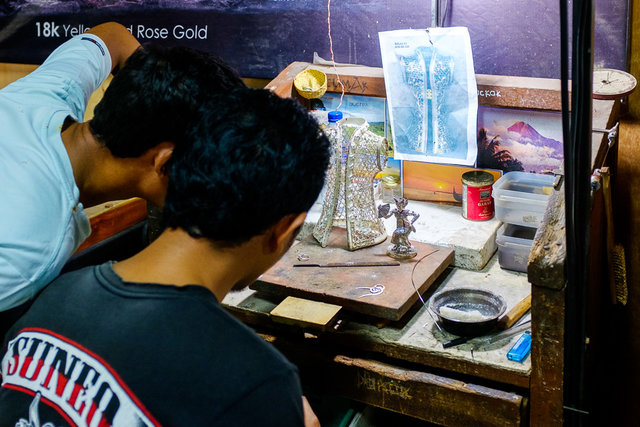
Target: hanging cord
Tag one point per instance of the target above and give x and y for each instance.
(333, 61)
(438, 14)
(413, 270)
(444, 13)
(564, 72)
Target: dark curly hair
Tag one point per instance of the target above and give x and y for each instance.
(254, 158)
(153, 97)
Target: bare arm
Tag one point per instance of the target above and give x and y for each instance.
(119, 41)
(310, 418)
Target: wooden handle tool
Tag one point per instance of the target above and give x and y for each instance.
(516, 312)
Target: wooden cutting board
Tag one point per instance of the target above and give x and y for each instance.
(349, 286)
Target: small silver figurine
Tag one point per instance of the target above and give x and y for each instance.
(400, 247)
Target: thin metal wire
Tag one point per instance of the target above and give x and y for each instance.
(418, 292)
(333, 61)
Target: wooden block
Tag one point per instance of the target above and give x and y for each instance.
(350, 287)
(519, 92)
(549, 250)
(493, 90)
(515, 314)
(111, 218)
(307, 313)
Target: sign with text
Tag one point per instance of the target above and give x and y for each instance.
(261, 37)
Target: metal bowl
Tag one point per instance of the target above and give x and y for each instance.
(467, 312)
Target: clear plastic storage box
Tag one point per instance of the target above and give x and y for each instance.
(514, 245)
(521, 197)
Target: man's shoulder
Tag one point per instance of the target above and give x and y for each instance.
(242, 344)
(189, 316)
(67, 78)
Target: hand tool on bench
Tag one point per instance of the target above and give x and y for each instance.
(504, 324)
(350, 264)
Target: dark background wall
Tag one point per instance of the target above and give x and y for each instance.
(261, 37)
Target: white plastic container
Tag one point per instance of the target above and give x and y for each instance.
(514, 245)
(521, 197)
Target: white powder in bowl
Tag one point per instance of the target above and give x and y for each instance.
(462, 315)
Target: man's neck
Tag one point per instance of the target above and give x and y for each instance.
(97, 173)
(175, 258)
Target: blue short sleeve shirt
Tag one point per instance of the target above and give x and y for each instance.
(41, 221)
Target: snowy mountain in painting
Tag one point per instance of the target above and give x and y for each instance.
(529, 135)
(520, 140)
(536, 152)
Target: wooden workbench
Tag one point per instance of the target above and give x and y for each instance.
(401, 366)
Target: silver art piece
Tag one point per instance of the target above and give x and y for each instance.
(400, 247)
(357, 156)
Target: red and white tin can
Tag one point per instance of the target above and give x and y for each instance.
(477, 202)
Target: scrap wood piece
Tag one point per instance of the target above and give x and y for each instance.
(306, 313)
(111, 218)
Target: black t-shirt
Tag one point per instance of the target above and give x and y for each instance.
(94, 350)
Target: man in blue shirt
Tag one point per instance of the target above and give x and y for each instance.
(52, 163)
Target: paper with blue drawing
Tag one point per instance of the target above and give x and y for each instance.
(432, 94)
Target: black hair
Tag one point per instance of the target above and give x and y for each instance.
(254, 158)
(152, 98)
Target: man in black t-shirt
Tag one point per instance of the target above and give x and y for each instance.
(145, 341)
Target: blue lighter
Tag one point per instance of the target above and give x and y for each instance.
(521, 348)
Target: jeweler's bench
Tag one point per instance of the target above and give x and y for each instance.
(401, 366)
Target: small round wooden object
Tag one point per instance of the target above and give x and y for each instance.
(612, 84)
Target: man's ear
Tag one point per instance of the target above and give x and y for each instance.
(284, 232)
(161, 155)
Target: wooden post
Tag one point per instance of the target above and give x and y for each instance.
(547, 277)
